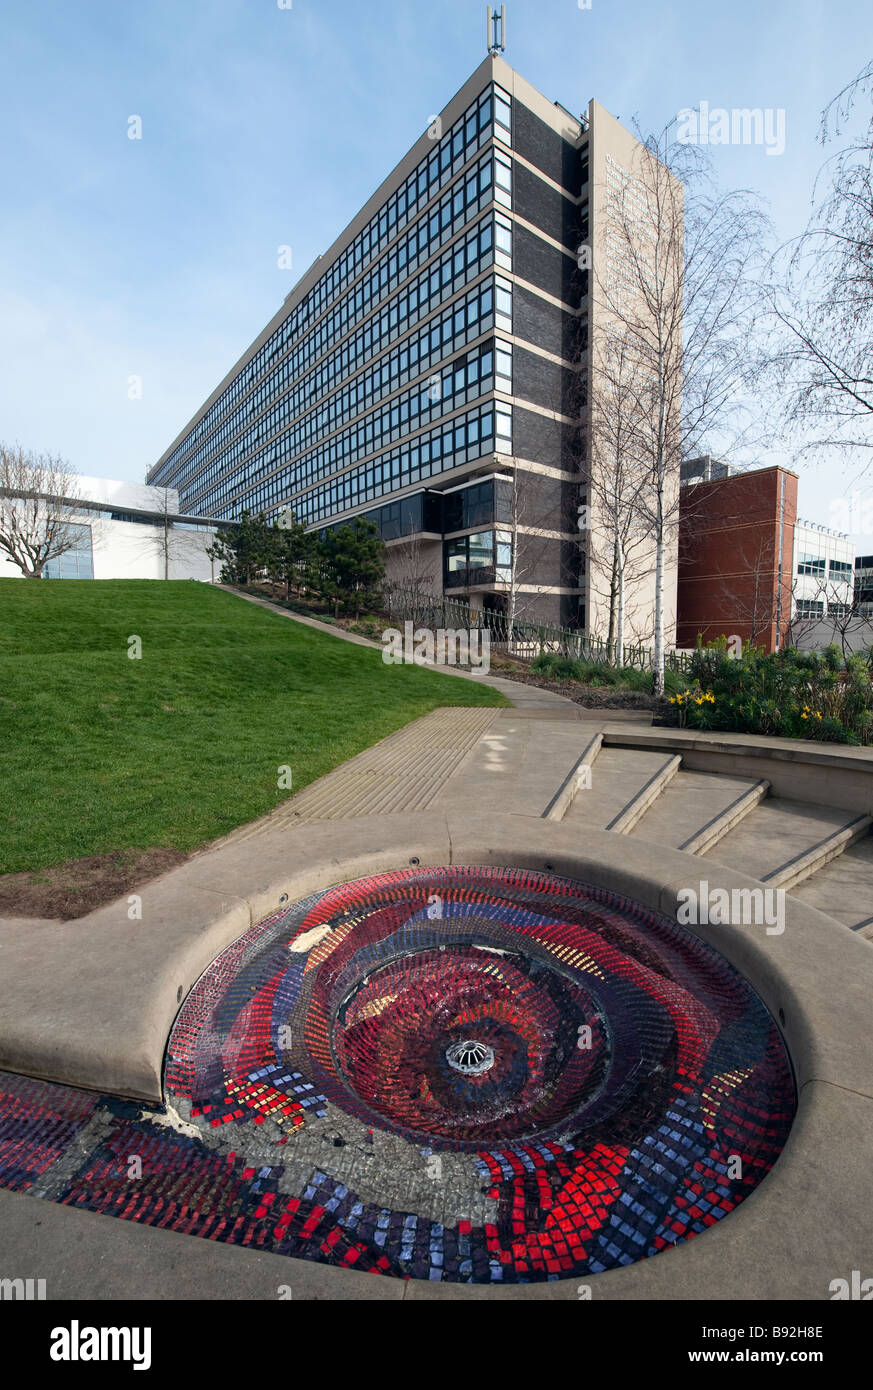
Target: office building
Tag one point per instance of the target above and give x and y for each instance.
(428, 371)
(824, 572)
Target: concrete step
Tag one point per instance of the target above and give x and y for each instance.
(784, 842)
(624, 783)
(698, 809)
(520, 765)
(566, 793)
(844, 888)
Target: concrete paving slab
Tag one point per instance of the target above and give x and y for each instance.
(517, 767)
(403, 772)
(31, 922)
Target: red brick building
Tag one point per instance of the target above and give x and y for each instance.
(736, 544)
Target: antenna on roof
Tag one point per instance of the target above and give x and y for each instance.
(496, 35)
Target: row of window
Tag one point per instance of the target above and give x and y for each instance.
(466, 439)
(815, 565)
(463, 441)
(474, 195)
(815, 608)
(459, 384)
(446, 279)
(450, 155)
(477, 505)
(468, 318)
(407, 515)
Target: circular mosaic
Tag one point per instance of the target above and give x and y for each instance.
(481, 1074)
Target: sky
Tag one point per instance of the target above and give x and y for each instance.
(135, 272)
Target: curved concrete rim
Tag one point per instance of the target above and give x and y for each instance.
(812, 1213)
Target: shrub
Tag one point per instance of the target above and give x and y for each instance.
(598, 673)
(789, 693)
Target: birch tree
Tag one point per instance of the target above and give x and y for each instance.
(617, 482)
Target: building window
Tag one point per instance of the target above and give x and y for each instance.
(810, 608)
(503, 572)
(76, 563)
(469, 560)
(502, 113)
(503, 303)
(504, 366)
(503, 181)
(456, 555)
(503, 242)
(481, 550)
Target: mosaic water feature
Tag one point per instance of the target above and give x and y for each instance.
(466, 1074)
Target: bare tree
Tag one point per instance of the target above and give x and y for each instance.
(675, 283)
(534, 524)
(40, 510)
(837, 622)
(166, 542)
(165, 536)
(849, 620)
(412, 577)
(822, 298)
(617, 478)
(750, 598)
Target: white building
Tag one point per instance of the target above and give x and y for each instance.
(129, 531)
(824, 572)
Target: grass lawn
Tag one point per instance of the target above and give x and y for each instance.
(100, 753)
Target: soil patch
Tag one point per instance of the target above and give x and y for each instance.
(596, 696)
(79, 886)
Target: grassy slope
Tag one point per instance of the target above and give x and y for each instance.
(98, 752)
